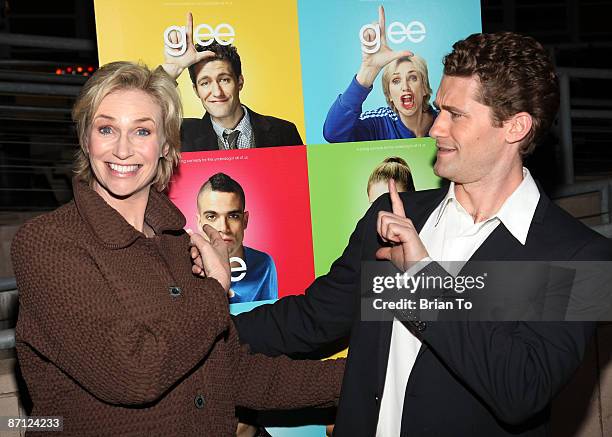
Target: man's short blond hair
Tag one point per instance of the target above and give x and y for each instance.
(394, 168)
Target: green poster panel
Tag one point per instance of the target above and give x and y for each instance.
(338, 176)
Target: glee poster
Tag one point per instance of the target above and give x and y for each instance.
(264, 33)
(338, 37)
(287, 212)
(341, 194)
(258, 199)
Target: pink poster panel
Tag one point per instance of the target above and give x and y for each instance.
(275, 184)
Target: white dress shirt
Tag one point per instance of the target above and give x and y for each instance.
(449, 234)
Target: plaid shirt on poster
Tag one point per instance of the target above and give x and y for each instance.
(245, 139)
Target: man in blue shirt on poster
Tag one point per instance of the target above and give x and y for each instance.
(221, 204)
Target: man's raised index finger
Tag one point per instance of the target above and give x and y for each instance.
(397, 207)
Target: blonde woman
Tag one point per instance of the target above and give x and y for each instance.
(115, 333)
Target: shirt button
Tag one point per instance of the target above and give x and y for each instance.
(174, 291)
(421, 326)
(199, 401)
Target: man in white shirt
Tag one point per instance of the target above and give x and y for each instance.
(489, 186)
(498, 97)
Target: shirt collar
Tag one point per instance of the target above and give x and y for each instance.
(244, 121)
(111, 229)
(450, 197)
(517, 211)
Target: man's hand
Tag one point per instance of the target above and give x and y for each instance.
(212, 256)
(372, 63)
(174, 65)
(245, 430)
(393, 227)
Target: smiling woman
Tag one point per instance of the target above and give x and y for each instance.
(115, 332)
(154, 88)
(124, 150)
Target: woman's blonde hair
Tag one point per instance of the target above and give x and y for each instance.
(394, 168)
(420, 66)
(122, 75)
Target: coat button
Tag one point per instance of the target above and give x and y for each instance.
(376, 398)
(199, 401)
(175, 291)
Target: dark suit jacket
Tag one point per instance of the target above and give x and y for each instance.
(470, 378)
(198, 134)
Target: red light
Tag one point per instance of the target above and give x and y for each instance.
(86, 74)
(79, 69)
(59, 71)
(90, 69)
(69, 69)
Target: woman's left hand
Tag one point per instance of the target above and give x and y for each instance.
(213, 256)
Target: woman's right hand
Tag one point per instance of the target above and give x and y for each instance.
(372, 63)
(211, 256)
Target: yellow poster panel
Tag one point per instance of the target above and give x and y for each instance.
(265, 35)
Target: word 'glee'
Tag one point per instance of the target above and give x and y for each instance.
(203, 35)
(397, 33)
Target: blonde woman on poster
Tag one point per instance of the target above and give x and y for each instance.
(405, 84)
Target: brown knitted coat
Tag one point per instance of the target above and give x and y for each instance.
(117, 335)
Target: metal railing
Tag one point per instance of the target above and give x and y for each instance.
(49, 42)
(8, 296)
(566, 113)
(604, 188)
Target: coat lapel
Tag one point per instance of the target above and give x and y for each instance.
(501, 244)
(206, 138)
(418, 211)
(261, 128)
